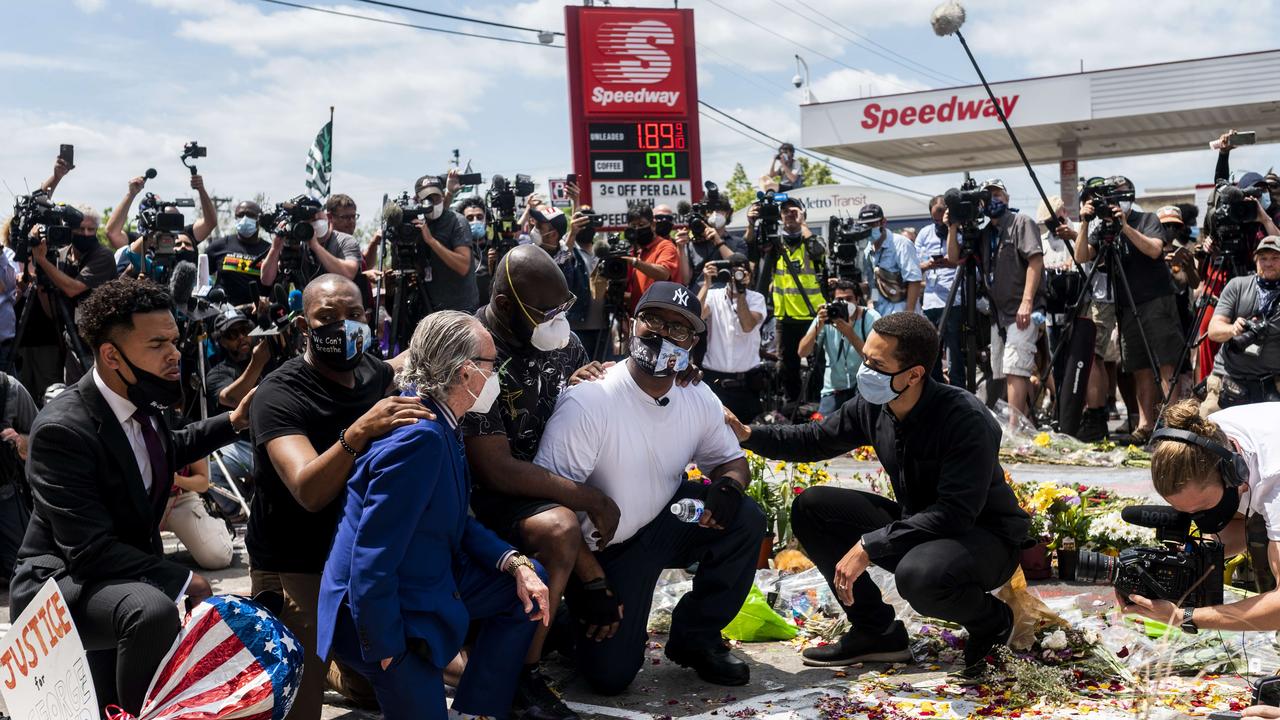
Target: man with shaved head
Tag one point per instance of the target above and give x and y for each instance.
(535, 510)
(236, 259)
(312, 418)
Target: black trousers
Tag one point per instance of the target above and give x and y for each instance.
(948, 578)
(726, 567)
(790, 333)
(735, 393)
(127, 629)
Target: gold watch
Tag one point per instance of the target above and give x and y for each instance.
(518, 561)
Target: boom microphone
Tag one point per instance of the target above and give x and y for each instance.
(1154, 516)
(947, 18)
(683, 207)
(392, 213)
(182, 284)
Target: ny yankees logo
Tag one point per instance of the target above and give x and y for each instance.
(682, 297)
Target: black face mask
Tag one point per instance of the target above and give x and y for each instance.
(190, 256)
(793, 239)
(663, 228)
(639, 236)
(150, 393)
(83, 243)
(340, 345)
(940, 228)
(1217, 517)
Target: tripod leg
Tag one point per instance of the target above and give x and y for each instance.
(1114, 262)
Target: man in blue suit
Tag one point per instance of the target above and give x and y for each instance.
(410, 568)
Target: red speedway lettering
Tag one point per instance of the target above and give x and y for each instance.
(882, 118)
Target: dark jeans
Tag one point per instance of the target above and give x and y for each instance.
(127, 629)
(726, 567)
(790, 333)
(947, 578)
(952, 342)
(735, 393)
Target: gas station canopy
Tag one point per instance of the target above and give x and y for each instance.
(1058, 119)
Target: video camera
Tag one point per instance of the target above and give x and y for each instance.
(154, 216)
(59, 221)
(845, 238)
(191, 151)
(398, 229)
(1232, 209)
(1183, 569)
(463, 179)
(612, 252)
(966, 205)
(1249, 342)
(501, 197)
(292, 220)
(696, 217)
(1106, 195)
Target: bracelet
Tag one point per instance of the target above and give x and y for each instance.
(342, 440)
(518, 561)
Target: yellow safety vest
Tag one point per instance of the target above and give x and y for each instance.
(788, 300)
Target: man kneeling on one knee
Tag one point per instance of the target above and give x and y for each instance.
(954, 533)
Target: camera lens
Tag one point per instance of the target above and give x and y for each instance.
(1095, 568)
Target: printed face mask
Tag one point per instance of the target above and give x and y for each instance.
(658, 356)
(340, 344)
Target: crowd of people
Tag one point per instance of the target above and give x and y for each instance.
(457, 448)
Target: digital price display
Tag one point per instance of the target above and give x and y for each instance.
(639, 151)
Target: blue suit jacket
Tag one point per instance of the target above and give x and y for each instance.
(404, 534)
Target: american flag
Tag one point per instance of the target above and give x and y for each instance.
(232, 660)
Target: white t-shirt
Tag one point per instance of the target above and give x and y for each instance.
(1256, 429)
(613, 436)
(729, 349)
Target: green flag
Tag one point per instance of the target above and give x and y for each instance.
(320, 163)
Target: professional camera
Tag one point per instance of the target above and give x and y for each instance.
(1249, 340)
(404, 238)
(1106, 195)
(501, 197)
(155, 216)
(1233, 208)
(1183, 569)
(845, 238)
(59, 222)
(838, 310)
(965, 204)
(696, 218)
(292, 220)
(613, 253)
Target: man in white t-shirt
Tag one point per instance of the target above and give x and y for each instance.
(631, 434)
(733, 313)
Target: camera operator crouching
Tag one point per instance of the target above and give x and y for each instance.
(841, 327)
(1245, 322)
(733, 313)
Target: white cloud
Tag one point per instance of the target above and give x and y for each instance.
(90, 6)
(845, 83)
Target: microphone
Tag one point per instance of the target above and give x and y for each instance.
(600, 249)
(663, 402)
(295, 300)
(182, 284)
(683, 207)
(150, 173)
(216, 295)
(947, 18)
(279, 296)
(202, 271)
(1155, 516)
(392, 213)
(951, 196)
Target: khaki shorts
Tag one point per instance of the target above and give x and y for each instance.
(1107, 343)
(1016, 354)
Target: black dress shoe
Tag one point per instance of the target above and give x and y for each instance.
(857, 646)
(713, 663)
(535, 700)
(980, 645)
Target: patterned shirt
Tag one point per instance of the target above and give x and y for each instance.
(531, 383)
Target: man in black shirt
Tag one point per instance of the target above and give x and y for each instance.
(238, 371)
(311, 418)
(237, 259)
(954, 532)
(532, 507)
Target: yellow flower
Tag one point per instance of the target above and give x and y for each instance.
(694, 473)
(1042, 440)
(780, 467)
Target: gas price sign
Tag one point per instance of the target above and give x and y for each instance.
(633, 92)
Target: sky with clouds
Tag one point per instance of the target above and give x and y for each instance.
(129, 81)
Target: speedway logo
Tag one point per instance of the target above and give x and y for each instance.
(603, 97)
(634, 64)
(954, 110)
(637, 47)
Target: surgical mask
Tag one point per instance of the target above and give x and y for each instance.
(436, 211)
(552, 334)
(876, 387)
(488, 393)
(1265, 200)
(639, 236)
(341, 344)
(718, 220)
(535, 237)
(1216, 518)
(1125, 206)
(477, 229)
(877, 234)
(149, 393)
(996, 208)
(320, 227)
(654, 354)
(247, 226)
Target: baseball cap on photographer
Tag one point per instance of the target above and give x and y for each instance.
(674, 296)
(551, 216)
(870, 212)
(1249, 179)
(994, 183)
(426, 186)
(1169, 214)
(228, 319)
(1270, 242)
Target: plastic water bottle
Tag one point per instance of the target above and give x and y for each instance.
(688, 510)
(1037, 318)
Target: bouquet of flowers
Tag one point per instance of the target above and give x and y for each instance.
(775, 487)
(1110, 533)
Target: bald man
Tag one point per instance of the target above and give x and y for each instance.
(533, 509)
(317, 413)
(236, 259)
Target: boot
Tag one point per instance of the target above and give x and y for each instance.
(1093, 426)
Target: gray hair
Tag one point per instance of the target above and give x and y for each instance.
(90, 212)
(441, 344)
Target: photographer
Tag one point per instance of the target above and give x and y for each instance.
(655, 257)
(890, 266)
(955, 530)
(1268, 216)
(447, 267)
(236, 259)
(733, 313)
(118, 237)
(841, 326)
(939, 275)
(785, 169)
(1138, 239)
(1247, 323)
(313, 416)
(1225, 473)
(477, 217)
(328, 250)
(715, 243)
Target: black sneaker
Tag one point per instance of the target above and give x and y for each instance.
(713, 663)
(1093, 426)
(535, 700)
(979, 646)
(856, 646)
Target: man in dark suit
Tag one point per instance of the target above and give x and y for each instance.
(100, 463)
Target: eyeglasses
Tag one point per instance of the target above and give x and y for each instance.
(679, 332)
(546, 315)
(352, 218)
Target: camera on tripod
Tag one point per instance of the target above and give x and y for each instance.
(1183, 569)
(1233, 208)
(501, 197)
(59, 221)
(769, 212)
(696, 219)
(845, 239)
(291, 220)
(966, 206)
(404, 237)
(613, 253)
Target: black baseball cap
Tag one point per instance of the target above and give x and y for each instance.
(738, 259)
(228, 319)
(676, 297)
(870, 212)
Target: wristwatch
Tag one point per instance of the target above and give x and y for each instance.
(518, 561)
(1188, 625)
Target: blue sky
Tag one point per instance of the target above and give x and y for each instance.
(129, 81)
